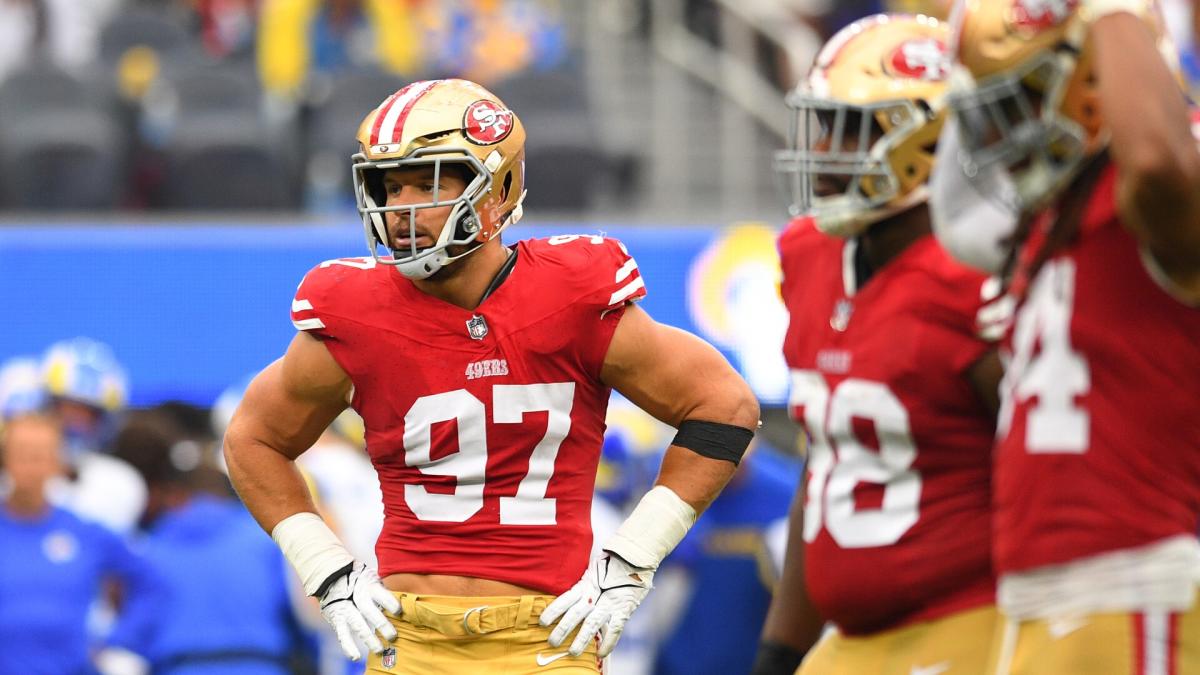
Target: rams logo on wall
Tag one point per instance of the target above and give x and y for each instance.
(733, 298)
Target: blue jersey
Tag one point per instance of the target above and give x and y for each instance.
(51, 569)
(732, 574)
(228, 609)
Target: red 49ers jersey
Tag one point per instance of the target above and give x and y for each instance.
(897, 516)
(485, 426)
(1099, 433)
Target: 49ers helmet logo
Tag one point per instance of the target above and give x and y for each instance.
(923, 59)
(1037, 15)
(485, 123)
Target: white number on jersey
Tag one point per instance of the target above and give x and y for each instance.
(1056, 373)
(356, 263)
(838, 461)
(560, 239)
(529, 506)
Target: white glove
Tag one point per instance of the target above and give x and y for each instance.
(351, 605)
(603, 600)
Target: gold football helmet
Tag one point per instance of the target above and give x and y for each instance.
(440, 123)
(865, 123)
(1025, 99)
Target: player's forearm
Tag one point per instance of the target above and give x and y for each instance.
(696, 479)
(792, 620)
(1151, 140)
(713, 435)
(269, 484)
(687, 483)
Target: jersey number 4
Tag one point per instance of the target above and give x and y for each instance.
(510, 402)
(1045, 365)
(838, 461)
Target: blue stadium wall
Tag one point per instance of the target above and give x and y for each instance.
(190, 309)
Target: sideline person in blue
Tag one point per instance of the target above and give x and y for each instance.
(54, 564)
(230, 612)
(733, 559)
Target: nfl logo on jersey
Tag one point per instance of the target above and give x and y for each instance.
(477, 327)
(388, 658)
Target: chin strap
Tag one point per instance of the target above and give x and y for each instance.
(505, 270)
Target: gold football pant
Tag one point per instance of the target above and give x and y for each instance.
(452, 635)
(957, 644)
(1144, 643)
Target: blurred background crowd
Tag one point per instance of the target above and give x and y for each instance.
(169, 169)
(647, 108)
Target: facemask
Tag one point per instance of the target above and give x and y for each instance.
(973, 217)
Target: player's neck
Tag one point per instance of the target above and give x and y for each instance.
(27, 503)
(889, 238)
(464, 282)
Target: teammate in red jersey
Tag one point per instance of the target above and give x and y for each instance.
(891, 377)
(482, 373)
(1074, 120)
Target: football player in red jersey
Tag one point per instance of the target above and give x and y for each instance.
(482, 374)
(1073, 119)
(892, 377)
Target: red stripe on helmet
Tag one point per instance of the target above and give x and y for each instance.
(382, 109)
(389, 124)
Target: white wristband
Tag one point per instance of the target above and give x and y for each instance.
(653, 530)
(1093, 10)
(311, 547)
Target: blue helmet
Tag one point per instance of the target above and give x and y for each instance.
(85, 371)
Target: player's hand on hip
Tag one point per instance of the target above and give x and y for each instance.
(352, 604)
(602, 600)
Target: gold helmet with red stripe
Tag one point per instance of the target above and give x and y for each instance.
(1026, 98)
(447, 125)
(866, 122)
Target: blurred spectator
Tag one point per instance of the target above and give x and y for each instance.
(21, 388)
(54, 564)
(733, 569)
(483, 40)
(227, 27)
(298, 39)
(489, 40)
(65, 32)
(87, 389)
(230, 608)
